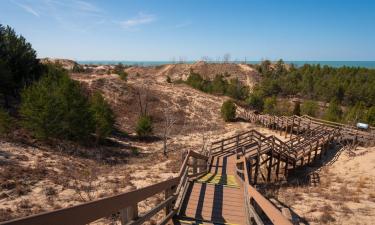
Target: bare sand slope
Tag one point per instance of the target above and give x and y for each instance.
(344, 192)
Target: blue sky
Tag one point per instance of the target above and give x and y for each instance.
(191, 29)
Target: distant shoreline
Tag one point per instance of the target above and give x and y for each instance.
(366, 64)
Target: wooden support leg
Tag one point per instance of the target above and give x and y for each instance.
(250, 169)
(278, 166)
(286, 168)
(309, 157)
(302, 161)
(256, 169)
(269, 167)
(195, 166)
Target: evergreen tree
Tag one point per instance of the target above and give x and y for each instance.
(102, 115)
(356, 113)
(270, 106)
(334, 112)
(228, 111)
(19, 66)
(219, 85)
(297, 109)
(144, 126)
(55, 107)
(255, 101)
(310, 108)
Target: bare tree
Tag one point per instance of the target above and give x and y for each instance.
(170, 120)
(143, 99)
(226, 58)
(181, 60)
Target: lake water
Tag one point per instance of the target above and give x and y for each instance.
(368, 64)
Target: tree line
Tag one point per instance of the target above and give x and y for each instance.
(350, 91)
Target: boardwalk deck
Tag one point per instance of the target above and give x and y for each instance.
(218, 196)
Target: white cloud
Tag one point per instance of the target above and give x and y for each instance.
(27, 8)
(141, 19)
(86, 6)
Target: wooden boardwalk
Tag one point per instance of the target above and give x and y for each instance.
(215, 197)
(217, 186)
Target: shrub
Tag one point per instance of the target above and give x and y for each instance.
(356, 113)
(144, 126)
(334, 112)
(120, 70)
(195, 80)
(270, 105)
(218, 85)
(55, 107)
(102, 116)
(228, 111)
(310, 108)
(256, 102)
(5, 122)
(236, 90)
(297, 109)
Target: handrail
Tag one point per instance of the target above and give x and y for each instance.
(267, 207)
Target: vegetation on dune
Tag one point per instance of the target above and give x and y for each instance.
(120, 70)
(348, 86)
(228, 111)
(52, 105)
(310, 108)
(334, 112)
(219, 85)
(56, 107)
(256, 102)
(102, 115)
(19, 66)
(144, 126)
(5, 122)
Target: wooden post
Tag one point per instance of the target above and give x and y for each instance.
(291, 128)
(256, 168)
(222, 145)
(237, 141)
(286, 128)
(270, 167)
(278, 166)
(250, 169)
(167, 193)
(286, 167)
(299, 124)
(195, 166)
(128, 214)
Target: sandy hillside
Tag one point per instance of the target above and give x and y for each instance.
(245, 73)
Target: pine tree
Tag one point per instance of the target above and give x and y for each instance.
(228, 111)
(102, 115)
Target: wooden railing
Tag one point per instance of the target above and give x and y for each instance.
(291, 124)
(254, 200)
(125, 205)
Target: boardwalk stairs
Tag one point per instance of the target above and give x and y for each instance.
(219, 186)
